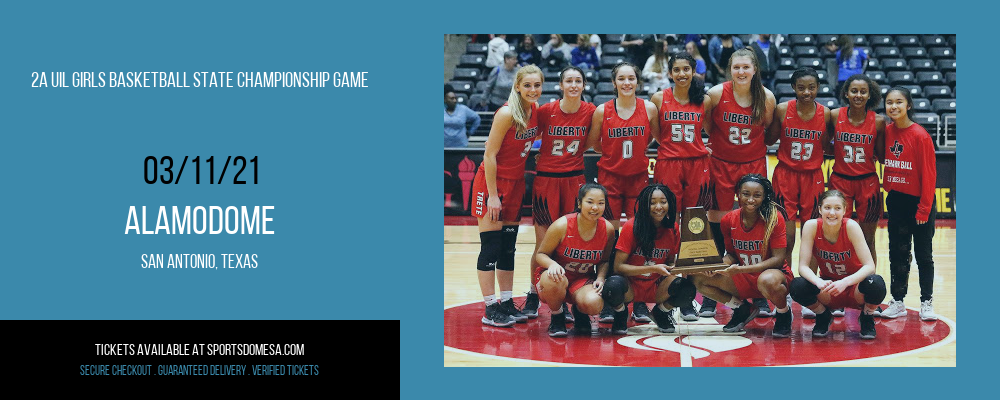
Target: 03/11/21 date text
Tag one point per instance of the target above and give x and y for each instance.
(164, 169)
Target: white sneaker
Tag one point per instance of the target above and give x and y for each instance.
(896, 309)
(838, 312)
(927, 311)
(807, 313)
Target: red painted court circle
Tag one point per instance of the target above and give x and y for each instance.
(696, 344)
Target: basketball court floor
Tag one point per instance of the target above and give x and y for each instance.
(905, 341)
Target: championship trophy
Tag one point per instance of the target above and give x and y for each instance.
(697, 252)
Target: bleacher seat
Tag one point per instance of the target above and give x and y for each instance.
(915, 90)
(784, 99)
(783, 76)
(472, 61)
(589, 88)
(467, 74)
(805, 51)
(887, 52)
(860, 40)
(477, 48)
(603, 98)
(925, 78)
(893, 64)
(609, 61)
(810, 62)
(786, 63)
(798, 40)
(551, 76)
(908, 41)
(822, 75)
(922, 64)
(614, 38)
(591, 75)
(929, 121)
(877, 76)
(881, 40)
(612, 50)
(463, 87)
(547, 98)
(606, 88)
(826, 90)
(949, 78)
(938, 53)
(949, 119)
(938, 92)
(828, 102)
(824, 38)
(784, 51)
(943, 105)
(934, 40)
(784, 90)
(588, 98)
(946, 65)
(910, 53)
(951, 40)
(900, 78)
(605, 74)
(874, 64)
(921, 105)
(462, 98)
(551, 87)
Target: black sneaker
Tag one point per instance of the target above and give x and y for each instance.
(509, 308)
(765, 309)
(607, 315)
(531, 306)
(742, 315)
(569, 316)
(557, 326)
(707, 308)
(640, 312)
(867, 323)
(620, 325)
(823, 321)
(688, 313)
(582, 324)
(782, 324)
(496, 317)
(664, 320)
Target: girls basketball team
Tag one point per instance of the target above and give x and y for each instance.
(582, 258)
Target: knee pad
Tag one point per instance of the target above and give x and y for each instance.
(681, 292)
(508, 239)
(489, 253)
(873, 287)
(615, 287)
(803, 291)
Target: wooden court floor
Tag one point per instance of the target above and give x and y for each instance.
(461, 250)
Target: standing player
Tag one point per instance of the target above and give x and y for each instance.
(910, 175)
(563, 125)
(846, 268)
(498, 189)
(573, 261)
(857, 138)
(800, 125)
(621, 130)
(682, 160)
(741, 112)
(646, 251)
(755, 247)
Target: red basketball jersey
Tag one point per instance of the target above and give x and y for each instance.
(746, 244)
(735, 137)
(680, 128)
(564, 137)
(836, 260)
(664, 246)
(854, 146)
(800, 147)
(515, 147)
(580, 256)
(624, 141)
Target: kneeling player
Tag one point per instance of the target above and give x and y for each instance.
(846, 268)
(754, 235)
(573, 261)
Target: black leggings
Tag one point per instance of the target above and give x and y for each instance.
(903, 230)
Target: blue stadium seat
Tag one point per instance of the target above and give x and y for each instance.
(799, 40)
(881, 40)
(877, 76)
(786, 63)
(939, 53)
(921, 105)
(805, 51)
(943, 105)
(908, 41)
(893, 64)
(784, 51)
(910, 53)
(922, 64)
(934, 40)
(826, 91)
(938, 92)
(860, 40)
(822, 75)
(810, 62)
(887, 52)
(946, 65)
(915, 90)
(900, 78)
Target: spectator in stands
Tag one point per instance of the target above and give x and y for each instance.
(656, 72)
(500, 81)
(767, 53)
(850, 61)
(584, 56)
(456, 119)
(595, 42)
(528, 52)
(701, 68)
(638, 47)
(556, 53)
(720, 48)
(497, 47)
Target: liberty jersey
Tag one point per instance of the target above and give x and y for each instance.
(577, 256)
(836, 260)
(624, 141)
(854, 146)
(564, 137)
(800, 147)
(746, 245)
(680, 128)
(735, 137)
(664, 247)
(515, 147)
